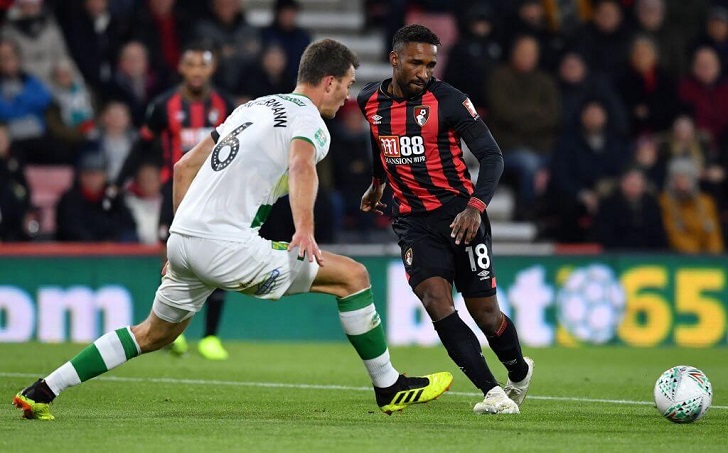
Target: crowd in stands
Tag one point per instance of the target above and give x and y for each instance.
(612, 114)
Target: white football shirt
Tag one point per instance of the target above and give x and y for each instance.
(247, 170)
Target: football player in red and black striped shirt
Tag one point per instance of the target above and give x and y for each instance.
(440, 217)
(176, 121)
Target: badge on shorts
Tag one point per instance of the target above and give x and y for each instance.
(408, 257)
(422, 114)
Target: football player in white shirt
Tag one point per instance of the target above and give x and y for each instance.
(223, 189)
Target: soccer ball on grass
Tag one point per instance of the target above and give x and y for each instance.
(683, 394)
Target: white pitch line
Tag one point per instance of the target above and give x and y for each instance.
(330, 387)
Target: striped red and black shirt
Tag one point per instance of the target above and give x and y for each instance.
(416, 143)
(178, 124)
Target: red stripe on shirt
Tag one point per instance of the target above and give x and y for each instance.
(173, 148)
(197, 114)
(219, 104)
(399, 128)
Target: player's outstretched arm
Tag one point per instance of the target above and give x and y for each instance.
(371, 201)
(187, 167)
(303, 185)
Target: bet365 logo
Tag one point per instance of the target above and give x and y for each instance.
(401, 146)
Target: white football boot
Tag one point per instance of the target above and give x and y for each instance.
(517, 390)
(496, 402)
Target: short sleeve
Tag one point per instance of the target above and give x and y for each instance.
(219, 131)
(313, 130)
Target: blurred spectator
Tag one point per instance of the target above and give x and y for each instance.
(144, 200)
(94, 39)
(474, 56)
(648, 159)
(650, 15)
(706, 93)
(649, 92)
(351, 154)
(238, 42)
(38, 37)
(286, 33)
(525, 114)
(577, 84)
(716, 35)
(630, 218)
(686, 18)
(85, 214)
(134, 83)
(386, 16)
(15, 210)
(605, 40)
(584, 159)
(194, 8)
(268, 77)
(567, 16)
(23, 104)
(114, 137)
(531, 20)
(164, 30)
(690, 216)
(71, 115)
(683, 141)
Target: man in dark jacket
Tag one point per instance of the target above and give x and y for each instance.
(84, 214)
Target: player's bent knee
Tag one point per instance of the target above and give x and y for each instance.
(437, 299)
(358, 276)
(154, 333)
(153, 339)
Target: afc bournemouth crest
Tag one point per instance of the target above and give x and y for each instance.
(408, 257)
(422, 114)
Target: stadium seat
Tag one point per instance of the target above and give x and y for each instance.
(47, 184)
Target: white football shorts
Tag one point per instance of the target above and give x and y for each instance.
(258, 267)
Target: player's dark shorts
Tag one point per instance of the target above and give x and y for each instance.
(429, 251)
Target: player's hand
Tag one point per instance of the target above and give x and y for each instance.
(164, 268)
(371, 201)
(307, 246)
(465, 225)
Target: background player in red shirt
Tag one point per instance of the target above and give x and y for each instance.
(416, 124)
(176, 121)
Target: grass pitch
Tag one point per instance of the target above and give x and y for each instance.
(316, 397)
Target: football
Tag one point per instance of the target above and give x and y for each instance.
(683, 394)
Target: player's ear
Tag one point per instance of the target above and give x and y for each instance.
(329, 83)
(393, 58)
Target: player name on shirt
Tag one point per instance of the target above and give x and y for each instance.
(280, 118)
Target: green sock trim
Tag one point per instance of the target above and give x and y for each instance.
(369, 345)
(89, 363)
(356, 301)
(130, 348)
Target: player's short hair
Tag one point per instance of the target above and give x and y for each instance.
(201, 46)
(413, 33)
(324, 58)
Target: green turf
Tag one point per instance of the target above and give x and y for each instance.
(160, 403)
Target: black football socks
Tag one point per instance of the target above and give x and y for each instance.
(506, 346)
(464, 349)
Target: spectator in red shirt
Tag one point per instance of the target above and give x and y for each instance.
(706, 93)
